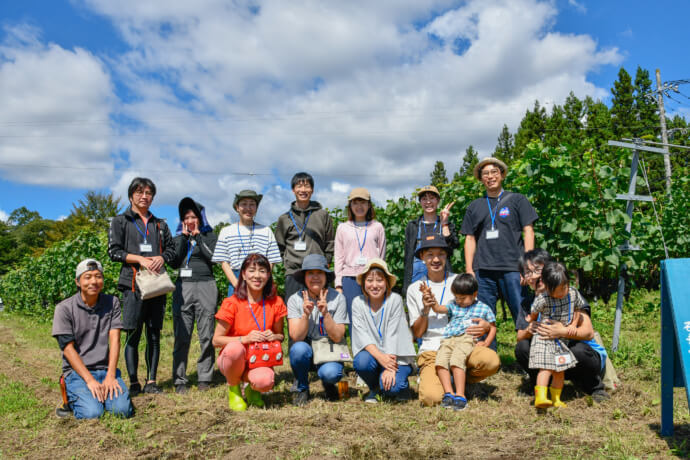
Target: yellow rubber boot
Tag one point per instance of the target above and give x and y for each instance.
(253, 397)
(540, 399)
(235, 401)
(556, 397)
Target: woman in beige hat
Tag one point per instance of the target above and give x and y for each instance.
(357, 240)
(381, 339)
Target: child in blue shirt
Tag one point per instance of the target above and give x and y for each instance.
(457, 345)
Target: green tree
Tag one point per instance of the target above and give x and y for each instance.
(645, 107)
(469, 161)
(574, 114)
(439, 175)
(505, 149)
(97, 207)
(623, 118)
(556, 127)
(22, 216)
(532, 128)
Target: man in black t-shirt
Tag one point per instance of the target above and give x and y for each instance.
(498, 230)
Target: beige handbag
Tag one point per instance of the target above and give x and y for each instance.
(327, 351)
(153, 284)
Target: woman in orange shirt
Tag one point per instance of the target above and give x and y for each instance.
(254, 313)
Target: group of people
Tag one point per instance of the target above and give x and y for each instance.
(450, 317)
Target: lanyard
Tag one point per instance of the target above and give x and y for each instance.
(146, 226)
(263, 305)
(361, 245)
(383, 309)
(445, 278)
(419, 227)
(300, 231)
(492, 213)
(251, 237)
(322, 330)
(190, 249)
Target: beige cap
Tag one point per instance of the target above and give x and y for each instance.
(377, 263)
(490, 160)
(359, 192)
(428, 188)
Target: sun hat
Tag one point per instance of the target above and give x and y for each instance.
(490, 160)
(377, 263)
(247, 194)
(432, 241)
(314, 262)
(428, 188)
(359, 192)
(87, 265)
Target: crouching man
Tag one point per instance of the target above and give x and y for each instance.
(87, 327)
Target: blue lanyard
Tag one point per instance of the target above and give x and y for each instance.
(383, 309)
(445, 277)
(492, 213)
(190, 249)
(300, 231)
(263, 305)
(145, 235)
(361, 245)
(419, 227)
(251, 237)
(322, 331)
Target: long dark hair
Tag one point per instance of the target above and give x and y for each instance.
(260, 260)
(371, 213)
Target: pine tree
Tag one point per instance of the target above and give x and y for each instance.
(469, 161)
(505, 150)
(532, 127)
(645, 107)
(574, 113)
(556, 127)
(439, 175)
(623, 119)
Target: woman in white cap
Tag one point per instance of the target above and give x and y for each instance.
(381, 339)
(357, 240)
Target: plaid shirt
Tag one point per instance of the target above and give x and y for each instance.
(459, 318)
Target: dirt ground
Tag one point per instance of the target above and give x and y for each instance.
(498, 423)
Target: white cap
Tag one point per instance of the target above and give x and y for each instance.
(87, 265)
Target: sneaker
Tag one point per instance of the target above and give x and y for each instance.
(460, 403)
(134, 389)
(152, 388)
(181, 389)
(301, 398)
(63, 411)
(293, 388)
(331, 392)
(204, 386)
(371, 398)
(600, 396)
(448, 401)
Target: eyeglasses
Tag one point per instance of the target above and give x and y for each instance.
(535, 272)
(491, 172)
(143, 193)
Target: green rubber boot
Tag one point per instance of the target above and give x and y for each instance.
(235, 401)
(253, 397)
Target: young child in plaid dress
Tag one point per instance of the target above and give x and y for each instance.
(560, 303)
(457, 345)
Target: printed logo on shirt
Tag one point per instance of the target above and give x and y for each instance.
(504, 212)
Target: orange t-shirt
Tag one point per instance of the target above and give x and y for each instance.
(237, 314)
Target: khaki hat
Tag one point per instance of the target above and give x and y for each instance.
(359, 192)
(490, 160)
(377, 263)
(87, 265)
(428, 188)
(247, 194)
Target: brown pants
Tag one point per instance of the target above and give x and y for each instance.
(482, 363)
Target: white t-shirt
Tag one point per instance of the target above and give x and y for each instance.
(431, 340)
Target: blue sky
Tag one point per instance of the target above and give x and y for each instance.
(208, 98)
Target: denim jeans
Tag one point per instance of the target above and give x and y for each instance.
(370, 370)
(301, 361)
(231, 288)
(490, 281)
(84, 405)
(350, 290)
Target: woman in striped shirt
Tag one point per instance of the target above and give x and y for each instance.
(237, 241)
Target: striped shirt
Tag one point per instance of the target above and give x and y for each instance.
(236, 242)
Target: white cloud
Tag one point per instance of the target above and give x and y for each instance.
(3, 215)
(578, 6)
(227, 96)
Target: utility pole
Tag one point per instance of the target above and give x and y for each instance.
(664, 135)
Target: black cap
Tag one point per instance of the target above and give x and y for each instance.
(433, 240)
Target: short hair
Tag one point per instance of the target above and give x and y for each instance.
(464, 284)
(301, 177)
(498, 166)
(259, 259)
(371, 213)
(141, 182)
(535, 256)
(554, 275)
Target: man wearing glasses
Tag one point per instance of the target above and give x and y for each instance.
(498, 229)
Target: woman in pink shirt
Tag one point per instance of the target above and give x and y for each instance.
(357, 240)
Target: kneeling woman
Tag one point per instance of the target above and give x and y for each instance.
(315, 313)
(254, 313)
(381, 339)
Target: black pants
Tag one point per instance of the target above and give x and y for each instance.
(137, 313)
(586, 374)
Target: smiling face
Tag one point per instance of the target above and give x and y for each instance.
(429, 202)
(256, 277)
(359, 208)
(315, 280)
(91, 283)
(246, 208)
(491, 177)
(532, 275)
(435, 260)
(141, 199)
(191, 221)
(375, 284)
(303, 191)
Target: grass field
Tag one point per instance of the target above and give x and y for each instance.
(498, 423)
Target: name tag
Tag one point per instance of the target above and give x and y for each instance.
(300, 245)
(563, 359)
(185, 272)
(492, 234)
(361, 260)
(145, 247)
